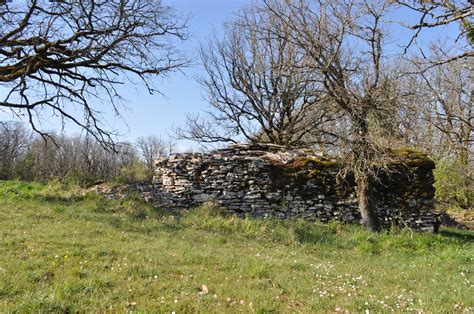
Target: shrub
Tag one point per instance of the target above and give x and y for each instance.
(134, 172)
(453, 184)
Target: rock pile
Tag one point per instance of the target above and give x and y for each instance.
(273, 181)
(144, 189)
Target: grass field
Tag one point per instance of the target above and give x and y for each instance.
(61, 250)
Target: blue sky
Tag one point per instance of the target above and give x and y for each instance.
(157, 115)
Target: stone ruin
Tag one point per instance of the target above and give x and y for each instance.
(270, 181)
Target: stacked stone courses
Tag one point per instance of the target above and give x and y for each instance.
(270, 181)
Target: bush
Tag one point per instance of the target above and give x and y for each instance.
(134, 172)
(453, 183)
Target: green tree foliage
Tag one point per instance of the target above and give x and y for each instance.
(134, 172)
(453, 183)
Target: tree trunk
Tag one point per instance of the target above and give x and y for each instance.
(363, 170)
(367, 204)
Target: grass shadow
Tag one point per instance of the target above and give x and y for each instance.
(314, 235)
(460, 235)
(59, 199)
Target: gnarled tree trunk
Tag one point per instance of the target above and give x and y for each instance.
(367, 204)
(363, 170)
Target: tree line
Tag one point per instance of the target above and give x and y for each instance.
(79, 159)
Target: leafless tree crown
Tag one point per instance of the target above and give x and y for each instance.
(67, 57)
(258, 85)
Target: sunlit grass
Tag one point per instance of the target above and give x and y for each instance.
(63, 250)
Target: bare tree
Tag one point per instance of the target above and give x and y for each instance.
(440, 13)
(435, 111)
(80, 158)
(445, 72)
(451, 98)
(152, 147)
(14, 140)
(66, 58)
(344, 45)
(257, 86)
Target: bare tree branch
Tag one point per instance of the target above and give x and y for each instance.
(258, 86)
(436, 14)
(64, 57)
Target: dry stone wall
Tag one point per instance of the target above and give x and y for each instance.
(269, 181)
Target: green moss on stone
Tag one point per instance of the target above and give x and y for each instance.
(301, 170)
(312, 162)
(410, 157)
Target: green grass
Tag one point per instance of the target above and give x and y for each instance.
(64, 251)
